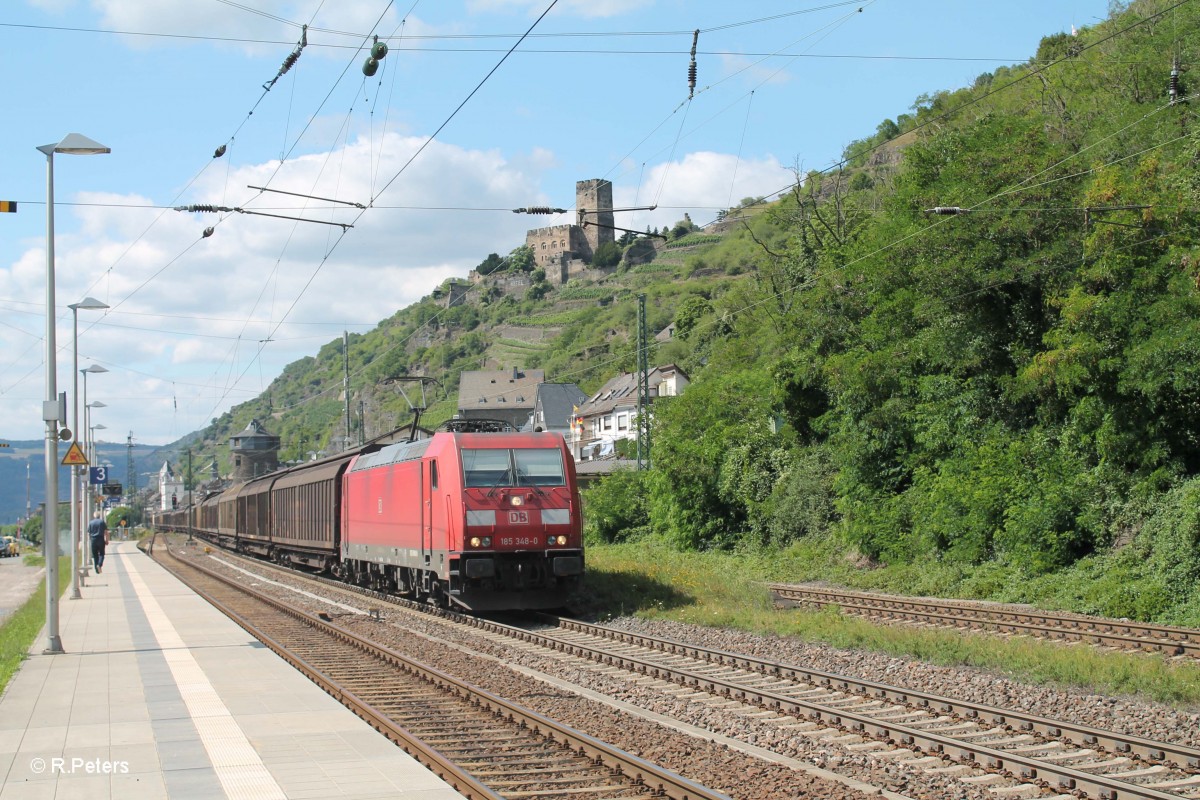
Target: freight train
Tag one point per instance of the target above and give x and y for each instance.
(479, 521)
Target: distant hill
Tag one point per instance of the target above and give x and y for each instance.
(582, 331)
(26, 459)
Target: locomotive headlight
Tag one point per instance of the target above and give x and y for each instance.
(476, 541)
(517, 500)
(561, 540)
(487, 541)
(481, 541)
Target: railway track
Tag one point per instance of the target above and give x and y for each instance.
(1036, 752)
(482, 745)
(1011, 753)
(1164, 639)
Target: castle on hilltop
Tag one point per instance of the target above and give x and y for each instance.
(561, 251)
(566, 250)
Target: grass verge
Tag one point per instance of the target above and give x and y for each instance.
(728, 589)
(18, 632)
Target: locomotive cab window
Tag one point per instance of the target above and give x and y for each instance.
(523, 467)
(433, 474)
(539, 467)
(486, 468)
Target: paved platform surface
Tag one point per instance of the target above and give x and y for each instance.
(161, 696)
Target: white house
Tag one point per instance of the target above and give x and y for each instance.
(610, 415)
(170, 487)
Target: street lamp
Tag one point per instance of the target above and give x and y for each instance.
(73, 144)
(88, 304)
(99, 426)
(89, 453)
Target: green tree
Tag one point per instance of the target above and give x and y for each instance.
(121, 518)
(521, 259)
(490, 264)
(32, 529)
(689, 313)
(608, 254)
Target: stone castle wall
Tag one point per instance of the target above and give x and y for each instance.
(557, 248)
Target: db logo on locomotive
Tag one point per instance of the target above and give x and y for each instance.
(518, 517)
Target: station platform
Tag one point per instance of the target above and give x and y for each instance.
(159, 695)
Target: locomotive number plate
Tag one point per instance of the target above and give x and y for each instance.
(519, 541)
(518, 517)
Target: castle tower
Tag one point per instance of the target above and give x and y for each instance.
(255, 452)
(591, 196)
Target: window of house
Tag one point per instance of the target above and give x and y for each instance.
(623, 422)
(607, 423)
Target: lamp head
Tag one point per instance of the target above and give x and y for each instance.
(94, 368)
(88, 304)
(76, 144)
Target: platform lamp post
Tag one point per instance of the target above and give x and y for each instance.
(77, 527)
(73, 144)
(89, 450)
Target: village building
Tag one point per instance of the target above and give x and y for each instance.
(505, 395)
(610, 415)
(555, 407)
(170, 488)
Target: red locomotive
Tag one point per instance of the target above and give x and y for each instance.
(482, 521)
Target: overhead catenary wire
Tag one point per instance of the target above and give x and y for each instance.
(620, 53)
(220, 151)
(822, 32)
(402, 169)
(377, 206)
(856, 259)
(1070, 57)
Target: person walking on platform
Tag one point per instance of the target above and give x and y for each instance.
(98, 534)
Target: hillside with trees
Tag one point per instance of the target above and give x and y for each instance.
(972, 345)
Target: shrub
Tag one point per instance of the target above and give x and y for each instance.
(614, 509)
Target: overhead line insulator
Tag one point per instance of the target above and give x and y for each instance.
(291, 59)
(204, 208)
(692, 65)
(539, 209)
(378, 51)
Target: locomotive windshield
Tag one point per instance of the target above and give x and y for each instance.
(518, 467)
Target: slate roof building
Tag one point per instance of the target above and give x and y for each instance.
(506, 395)
(255, 452)
(554, 408)
(610, 415)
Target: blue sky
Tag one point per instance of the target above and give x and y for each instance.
(598, 90)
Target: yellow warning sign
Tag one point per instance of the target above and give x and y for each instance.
(75, 456)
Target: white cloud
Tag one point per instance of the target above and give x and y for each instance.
(272, 21)
(191, 311)
(700, 184)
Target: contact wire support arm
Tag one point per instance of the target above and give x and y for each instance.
(211, 209)
(587, 223)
